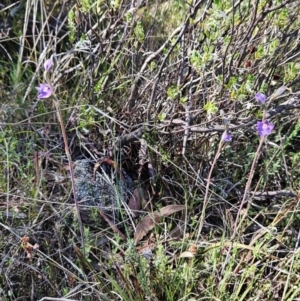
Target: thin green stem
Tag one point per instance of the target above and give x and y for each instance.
(67, 151)
(248, 184)
(205, 201)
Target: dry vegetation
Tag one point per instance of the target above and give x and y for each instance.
(149, 87)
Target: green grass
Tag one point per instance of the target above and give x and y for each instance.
(172, 72)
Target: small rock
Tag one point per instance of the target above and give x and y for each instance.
(105, 189)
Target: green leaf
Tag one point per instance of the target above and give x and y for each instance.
(162, 116)
(211, 108)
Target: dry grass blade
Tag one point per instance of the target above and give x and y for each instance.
(112, 225)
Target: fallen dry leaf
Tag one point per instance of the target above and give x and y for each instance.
(186, 254)
(149, 221)
(28, 247)
(111, 163)
(190, 253)
(193, 249)
(135, 201)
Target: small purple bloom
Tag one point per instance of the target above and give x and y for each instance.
(44, 91)
(260, 97)
(264, 128)
(48, 64)
(226, 137)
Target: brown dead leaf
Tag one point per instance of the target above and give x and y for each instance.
(111, 163)
(190, 253)
(193, 249)
(28, 247)
(135, 201)
(186, 254)
(149, 221)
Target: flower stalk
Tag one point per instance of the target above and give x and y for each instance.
(45, 90)
(264, 129)
(226, 137)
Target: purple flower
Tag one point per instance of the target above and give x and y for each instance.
(226, 137)
(264, 128)
(48, 64)
(260, 97)
(44, 91)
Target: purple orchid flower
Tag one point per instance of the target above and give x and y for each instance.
(44, 91)
(264, 128)
(48, 64)
(226, 137)
(260, 97)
